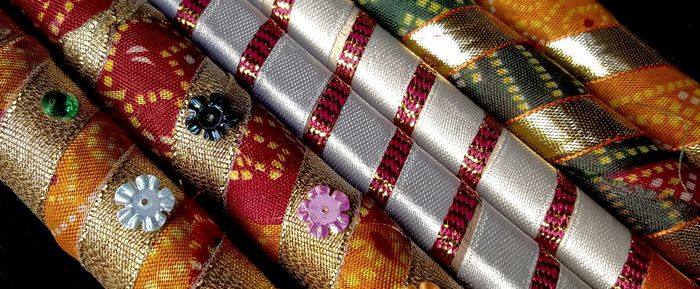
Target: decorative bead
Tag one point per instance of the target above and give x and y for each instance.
(209, 115)
(144, 204)
(60, 104)
(324, 212)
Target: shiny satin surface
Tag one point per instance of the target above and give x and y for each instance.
(420, 206)
(603, 52)
(522, 172)
(611, 246)
(509, 265)
(384, 94)
(447, 125)
(357, 143)
(448, 40)
(301, 91)
(365, 136)
(323, 37)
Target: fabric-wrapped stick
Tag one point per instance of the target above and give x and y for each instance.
(520, 184)
(644, 186)
(193, 115)
(626, 74)
(442, 214)
(105, 203)
(615, 65)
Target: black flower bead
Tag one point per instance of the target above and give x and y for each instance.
(210, 115)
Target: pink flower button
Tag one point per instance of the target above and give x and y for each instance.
(324, 212)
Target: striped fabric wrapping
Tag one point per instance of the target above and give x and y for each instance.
(443, 215)
(615, 65)
(645, 187)
(627, 75)
(152, 79)
(69, 170)
(383, 75)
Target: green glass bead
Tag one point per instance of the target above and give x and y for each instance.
(60, 104)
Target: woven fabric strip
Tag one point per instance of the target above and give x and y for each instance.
(291, 103)
(415, 98)
(389, 169)
(381, 74)
(454, 226)
(479, 151)
(325, 113)
(178, 68)
(617, 66)
(513, 81)
(188, 13)
(79, 205)
(355, 44)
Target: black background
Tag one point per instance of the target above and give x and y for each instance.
(29, 258)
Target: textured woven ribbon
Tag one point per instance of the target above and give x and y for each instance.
(151, 78)
(443, 215)
(615, 65)
(473, 146)
(644, 186)
(68, 171)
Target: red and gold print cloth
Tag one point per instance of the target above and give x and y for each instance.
(68, 170)
(556, 116)
(146, 73)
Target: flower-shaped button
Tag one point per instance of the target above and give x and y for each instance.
(145, 204)
(324, 212)
(209, 115)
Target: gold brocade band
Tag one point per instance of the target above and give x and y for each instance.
(111, 252)
(550, 133)
(423, 269)
(600, 53)
(207, 163)
(676, 244)
(315, 262)
(30, 165)
(225, 270)
(455, 38)
(693, 154)
(86, 48)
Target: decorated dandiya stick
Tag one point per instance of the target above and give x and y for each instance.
(644, 186)
(443, 214)
(454, 130)
(105, 203)
(194, 116)
(615, 65)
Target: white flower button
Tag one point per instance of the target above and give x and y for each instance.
(144, 204)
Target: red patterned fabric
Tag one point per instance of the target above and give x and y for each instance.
(662, 177)
(146, 49)
(58, 17)
(265, 171)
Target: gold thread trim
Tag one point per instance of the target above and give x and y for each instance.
(312, 261)
(204, 163)
(453, 39)
(603, 52)
(38, 141)
(228, 268)
(551, 133)
(108, 250)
